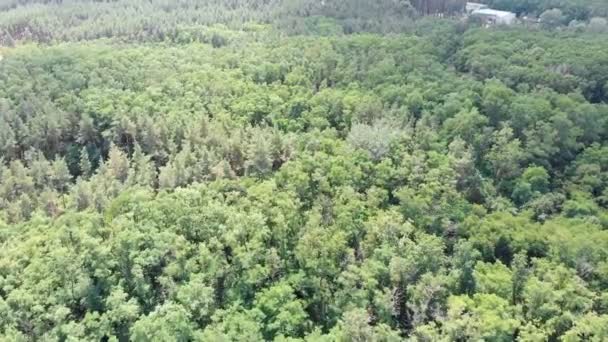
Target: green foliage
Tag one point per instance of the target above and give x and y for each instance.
(339, 170)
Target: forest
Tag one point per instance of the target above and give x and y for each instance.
(303, 170)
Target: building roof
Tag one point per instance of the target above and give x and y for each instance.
(474, 6)
(495, 13)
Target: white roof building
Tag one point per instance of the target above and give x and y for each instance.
(474, 6)
(495, 17)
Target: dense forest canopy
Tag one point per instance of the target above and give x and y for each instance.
(299, 170)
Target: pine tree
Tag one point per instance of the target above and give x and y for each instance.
(60, 175)
(82, 195)
(167, 177)
(85, 164)
(520, 275)
(223, 170)
(259, 157)
(142, 170)
(40, 168)
(118, 164)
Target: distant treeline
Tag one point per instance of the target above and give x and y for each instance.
(300, 171)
